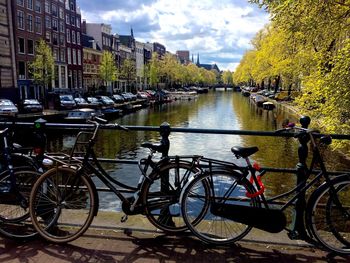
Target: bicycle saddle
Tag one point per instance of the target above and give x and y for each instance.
(244, 151)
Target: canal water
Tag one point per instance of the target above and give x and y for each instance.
(220, 109)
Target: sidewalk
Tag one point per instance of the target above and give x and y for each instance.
(125, 243)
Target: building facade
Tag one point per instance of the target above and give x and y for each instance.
(58, 22)
(91, 61)
(7, 54)
(183, 56)
(140, 65)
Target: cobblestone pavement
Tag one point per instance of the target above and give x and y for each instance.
(107, 245)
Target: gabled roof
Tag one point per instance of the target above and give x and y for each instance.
(209, 66)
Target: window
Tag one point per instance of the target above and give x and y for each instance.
(30, 46)
(72, 6)
(20, 19)
(69, 55)
(30, 4)
(38, 6)
(73, 37)
(38, 25)
(63, 76)
(20, 2)
(62, 43)
(72, 20)
(61, 13)
(55, 54)
(48, 22)
(21, 70)
(47, 7)
(55, 24)
(63, 55)
(78, 38)
(54, 39)
(61, 26)
(68, 35)
(78, 22)
(79, 56)
(30, 23)
(54, 10)
(48, 36)
(74, 55)
(21, 47)
(67, 19)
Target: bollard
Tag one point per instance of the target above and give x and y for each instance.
(298, 229)
(164, 131)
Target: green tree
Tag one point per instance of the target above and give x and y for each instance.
(128, 72)
(108, 69)
(227, 77)
(42, 68)
(154, 70)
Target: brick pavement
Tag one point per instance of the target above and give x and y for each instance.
(107, 245)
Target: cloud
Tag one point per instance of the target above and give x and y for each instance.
(220, 31)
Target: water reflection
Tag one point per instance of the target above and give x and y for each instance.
(216, 110)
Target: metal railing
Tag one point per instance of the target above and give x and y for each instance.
(79, 127)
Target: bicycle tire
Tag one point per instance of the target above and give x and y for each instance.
(15, 221)
(62, 204)
(329, 223)
(161, 197)
(227, 186)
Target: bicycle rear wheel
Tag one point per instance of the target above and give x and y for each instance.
(226, 187)
(161, 195)
(328, 214)
(62, 204)
(15, 221)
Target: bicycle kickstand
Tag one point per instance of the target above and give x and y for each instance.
(124, 218)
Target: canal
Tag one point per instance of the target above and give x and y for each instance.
(220, 109)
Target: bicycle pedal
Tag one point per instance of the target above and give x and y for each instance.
(124, 218)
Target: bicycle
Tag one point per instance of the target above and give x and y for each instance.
(19, 172)
(233, 204)
(64, 200)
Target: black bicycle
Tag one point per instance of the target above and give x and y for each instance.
(64, 200)
(233, 204)
(19, 170)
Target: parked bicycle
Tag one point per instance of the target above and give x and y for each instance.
(64, 200)
(231, 203)
(18, 174)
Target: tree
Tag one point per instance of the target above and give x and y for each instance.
(42, 68)
(108, 69)
(128, 71)
(154, 70)
(227, 77)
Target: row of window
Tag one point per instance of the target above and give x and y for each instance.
(53, 9)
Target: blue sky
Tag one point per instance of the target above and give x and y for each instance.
(219, 30)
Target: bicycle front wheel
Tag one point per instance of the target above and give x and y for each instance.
(328, 214)
(15, 221)
(62, 204)
(226, 187)
(161, 195)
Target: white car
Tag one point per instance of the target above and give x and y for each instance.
(7, 108)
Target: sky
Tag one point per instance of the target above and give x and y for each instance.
(219, 31)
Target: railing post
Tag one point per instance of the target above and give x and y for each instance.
(298, 229)
(39, 138)
(164, 131)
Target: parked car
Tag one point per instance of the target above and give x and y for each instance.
(66, 102)
(143, 95)
(81, 102)
(7, 108)
(30, 105)
(118, 98)
(106, 101)
(94, 102)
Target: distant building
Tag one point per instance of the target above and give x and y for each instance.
(183, 56)
(207, 66)
(159, 48)
(92, 60)
(7, 49)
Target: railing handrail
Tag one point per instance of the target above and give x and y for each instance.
(68, 126)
